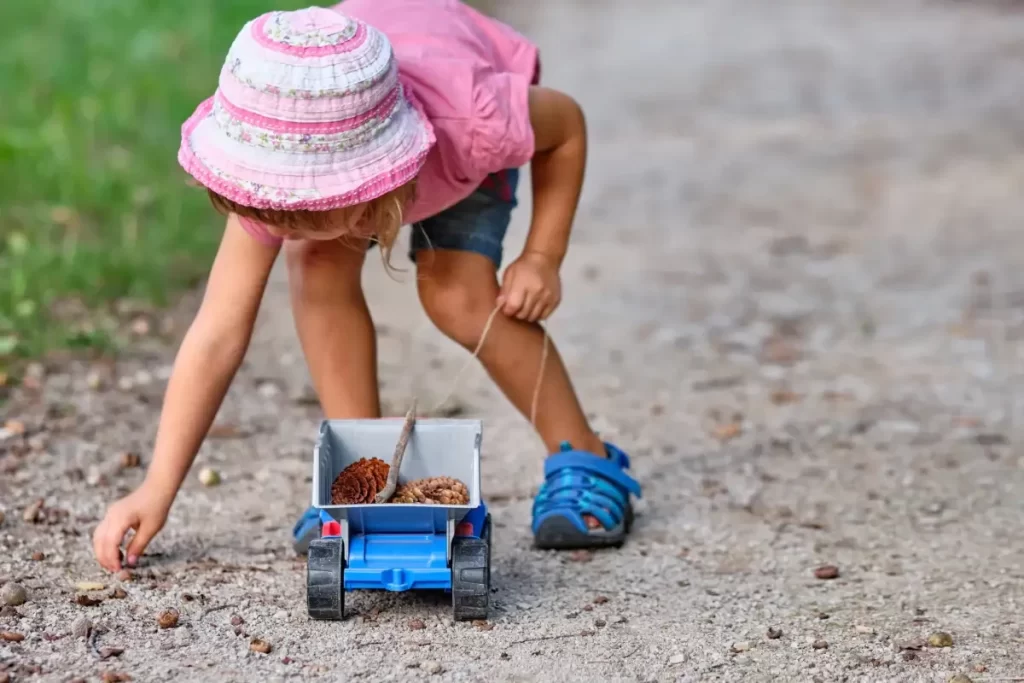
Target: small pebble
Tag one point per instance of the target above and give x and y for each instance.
(432, 666)
(600, 623)
(774, 633)
(119, 593)
(2, 516)
(114, 677)
(95, 478)
(483, 625)
(11, 636)
(909, 656)
(980, 668)
(237, 620)
(168, 618)
(80, 627)
(581, 556)
(209, 476)
(130, 460)
(417, 624)
(260, 646)
(268, 390)
(940, 639)
(86, 586)
(38, 556)
(32, 512)
(820, 645)
(86, 600)
(13, 595)
(676, 659)
(867, 630)
(140, 327)
(600, 600)
(94, 380)
(825, 572)
(960, 678)
(742, 646)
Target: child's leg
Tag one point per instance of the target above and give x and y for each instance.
(585, 498)
(458, 290)
(334, 326)
(337, 337)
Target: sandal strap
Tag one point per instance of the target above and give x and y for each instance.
(605, 468)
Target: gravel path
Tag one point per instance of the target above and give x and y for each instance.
(795, 293)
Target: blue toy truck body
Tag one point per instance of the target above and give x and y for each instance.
(400, 547)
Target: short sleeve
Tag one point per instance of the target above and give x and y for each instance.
(259, 232)
(502, 132)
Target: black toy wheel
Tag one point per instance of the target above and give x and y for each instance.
(325, 579)
(471, 575)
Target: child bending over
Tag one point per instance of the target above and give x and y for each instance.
(330, 129)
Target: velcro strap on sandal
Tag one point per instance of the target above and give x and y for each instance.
(603, 467)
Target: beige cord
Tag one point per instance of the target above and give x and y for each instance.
(476, 354)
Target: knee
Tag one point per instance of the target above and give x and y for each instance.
(316, 268)
(459, 309)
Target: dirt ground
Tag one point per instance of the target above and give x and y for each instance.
(795, 294)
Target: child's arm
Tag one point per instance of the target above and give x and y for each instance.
(210, 354)
(530, 288)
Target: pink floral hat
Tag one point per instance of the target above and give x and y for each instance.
(310, 113)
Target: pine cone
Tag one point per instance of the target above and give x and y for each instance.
(360, 482)
(433, 491)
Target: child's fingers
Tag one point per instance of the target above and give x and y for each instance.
(513, 297)
(529, 300)
(537, 310)
(107, 543)
(548, 309)
(141, 539)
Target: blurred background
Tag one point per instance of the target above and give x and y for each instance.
(93, 207)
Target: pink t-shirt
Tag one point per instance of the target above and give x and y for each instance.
(472, 75)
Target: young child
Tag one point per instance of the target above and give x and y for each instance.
(331, 128)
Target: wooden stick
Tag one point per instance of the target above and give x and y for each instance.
(396, 460)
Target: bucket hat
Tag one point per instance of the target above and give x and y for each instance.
(310, 113)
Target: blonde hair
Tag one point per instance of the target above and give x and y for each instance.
(384, 216)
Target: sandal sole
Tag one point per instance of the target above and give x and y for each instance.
(559, 533)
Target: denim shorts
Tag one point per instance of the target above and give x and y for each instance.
(477, 223)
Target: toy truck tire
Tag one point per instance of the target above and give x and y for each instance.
(471, 575)
(325, 579)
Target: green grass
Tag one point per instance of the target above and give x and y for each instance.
(93, 205)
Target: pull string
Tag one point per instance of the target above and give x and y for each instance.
(475, 356)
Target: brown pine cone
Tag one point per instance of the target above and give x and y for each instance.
(432, 491)
(360, 482)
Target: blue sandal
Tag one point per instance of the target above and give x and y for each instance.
(305, 530)
(577, 483)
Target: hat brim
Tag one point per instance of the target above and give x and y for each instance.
(265, 175)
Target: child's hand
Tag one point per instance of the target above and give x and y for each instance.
(140, 510)
(531, 288)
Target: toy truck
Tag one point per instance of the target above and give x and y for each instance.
(400, 547)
